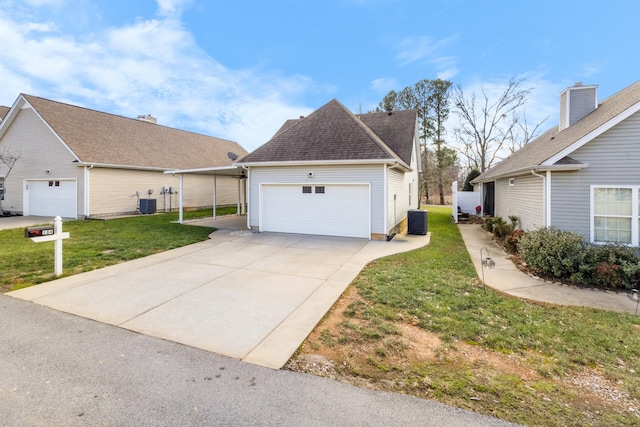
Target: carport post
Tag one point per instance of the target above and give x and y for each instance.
(238, 207)
(180, 215)
(215, 193)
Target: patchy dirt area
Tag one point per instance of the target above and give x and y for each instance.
(414, 361)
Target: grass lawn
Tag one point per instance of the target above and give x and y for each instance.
(95, 244)
(419, 323)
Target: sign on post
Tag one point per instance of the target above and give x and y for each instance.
(48, 234)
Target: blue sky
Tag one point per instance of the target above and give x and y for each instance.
(238, 69)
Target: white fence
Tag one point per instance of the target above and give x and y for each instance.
(465, 200)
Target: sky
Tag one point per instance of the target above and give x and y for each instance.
(238, 69)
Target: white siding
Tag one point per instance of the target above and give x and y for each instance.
(405, 187)
(613, 158)
(397, 198)
(525, 199)
(365, 174)
(39, 150)
(113, 191)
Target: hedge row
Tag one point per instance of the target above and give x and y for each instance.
(567, 257)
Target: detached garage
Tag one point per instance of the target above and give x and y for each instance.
(335, 173)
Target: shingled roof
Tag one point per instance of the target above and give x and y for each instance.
(333, 133)
(3, 111)
(108, 139)
(539, 152)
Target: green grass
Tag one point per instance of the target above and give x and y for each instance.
(437, 286)
(95, 244)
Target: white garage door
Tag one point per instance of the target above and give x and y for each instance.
(51, 198)
(323, 209)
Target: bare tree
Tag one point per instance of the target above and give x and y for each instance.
(489, 126)
(7, 162)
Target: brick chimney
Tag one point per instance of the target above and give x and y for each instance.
(148, 118)
(576, 102)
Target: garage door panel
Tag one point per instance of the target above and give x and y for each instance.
(51, 198)
(342, 210)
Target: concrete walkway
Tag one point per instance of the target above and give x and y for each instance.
(506, 278)
(250, 296)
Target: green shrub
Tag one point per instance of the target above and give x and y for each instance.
(610, 266)
(552, 252)
(511, 241)
(565, 255)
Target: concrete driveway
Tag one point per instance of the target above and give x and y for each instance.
(250, 296)
(7, 222)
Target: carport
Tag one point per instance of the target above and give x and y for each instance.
(237, 172)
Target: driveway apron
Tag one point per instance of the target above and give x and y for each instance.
(250, 296)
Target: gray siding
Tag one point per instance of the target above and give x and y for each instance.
(39, 150)
(525, 199)
(613, 158)
(373, 174)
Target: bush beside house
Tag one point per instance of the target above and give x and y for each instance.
(565, 256)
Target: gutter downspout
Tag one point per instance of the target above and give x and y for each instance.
(545, 203)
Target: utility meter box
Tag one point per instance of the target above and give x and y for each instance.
(39, 231)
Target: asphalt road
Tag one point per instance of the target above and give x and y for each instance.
(57, 369)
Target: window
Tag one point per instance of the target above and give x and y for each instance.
(50, 183)
(512, 182)
(612, 215)
(306, 189)
(320, 190)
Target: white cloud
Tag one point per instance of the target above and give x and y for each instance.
(171, 7)
(151, 66)
(414, 49)
(384, 84)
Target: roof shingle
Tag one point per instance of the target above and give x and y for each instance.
(334, 133)
(3, 111)
(103, 138)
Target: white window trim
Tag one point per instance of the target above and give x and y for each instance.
(635, 211)
(512, 182)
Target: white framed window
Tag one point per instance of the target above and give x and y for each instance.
(512, 182)
(614, 214)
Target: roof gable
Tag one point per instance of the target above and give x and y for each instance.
(333, 133)
(108, 139)
(553, 145)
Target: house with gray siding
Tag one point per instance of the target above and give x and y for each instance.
(581, 176)
(80, 163)
(336, 173)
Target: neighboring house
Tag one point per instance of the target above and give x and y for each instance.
(582, 176)
(3, 112)
(81, 163)
(336, 173)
